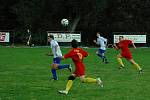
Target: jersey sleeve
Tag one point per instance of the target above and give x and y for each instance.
(84, 53)
(104, 39)
(129, 41)
(55, 43)
(68, 55)
(117, 45)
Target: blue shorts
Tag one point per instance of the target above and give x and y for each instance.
(100, 51)
(56, 60)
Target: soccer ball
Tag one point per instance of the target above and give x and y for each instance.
(64, 22)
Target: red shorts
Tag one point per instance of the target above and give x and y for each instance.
(126, 55)
(79, 71)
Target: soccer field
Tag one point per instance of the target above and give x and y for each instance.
(25, 75)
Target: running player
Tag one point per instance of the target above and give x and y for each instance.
(103, 43)
(77, 55)
(125, 53)
(56, 60)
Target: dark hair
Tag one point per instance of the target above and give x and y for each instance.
(51, 36)
(120, 36)
(74, 43)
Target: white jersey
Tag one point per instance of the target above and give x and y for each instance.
(102, 42)
(55, 48)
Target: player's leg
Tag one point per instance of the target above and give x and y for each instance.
(119, 56)
(68, 85)
(91, 80)
(103, 56)
(99, 53)
(135, 65)
(53, 70)
(55, 64)
(62, 66)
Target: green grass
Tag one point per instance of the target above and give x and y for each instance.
(25, 75)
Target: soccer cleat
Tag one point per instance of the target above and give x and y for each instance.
(140, 71)
(121, 67)
(106, 62)
(99, 82)
(63, 92)
(70, 68)
(54, 79)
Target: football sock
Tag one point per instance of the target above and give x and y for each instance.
(99, 55)
(63, 66)
(137, 66)
(105, 59)
(89, 80)
(69, 85)
(54, 74)
(120, 62)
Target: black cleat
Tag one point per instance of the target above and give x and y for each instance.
(140, 71)
(106, 62)
(121, 67)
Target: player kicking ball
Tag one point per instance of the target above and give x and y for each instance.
(77, 55)
(125, 53)
(101, 51)
(56, 60)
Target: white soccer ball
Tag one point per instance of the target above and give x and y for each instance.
(64, 22)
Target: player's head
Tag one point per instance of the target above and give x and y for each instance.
(98, 34)
(74, 43)
(50, 38)
(121, 38)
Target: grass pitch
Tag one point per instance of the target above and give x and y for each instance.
(25, 75)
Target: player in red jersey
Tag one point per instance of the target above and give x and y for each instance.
(125, 52)
(77, 55)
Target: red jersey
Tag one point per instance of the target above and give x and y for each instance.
(77, 55)
(123, 45)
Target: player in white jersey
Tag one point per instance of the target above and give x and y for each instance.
(103, 43)
(56, 60)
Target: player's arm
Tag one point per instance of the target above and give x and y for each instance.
(133, 45)
(56, 47)
(56, 50)
(105, 40)
(68, 55)
(84, 53)
(62, 57)
(115, 47)
(110, 45)
(96, 42)
(29, 38)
